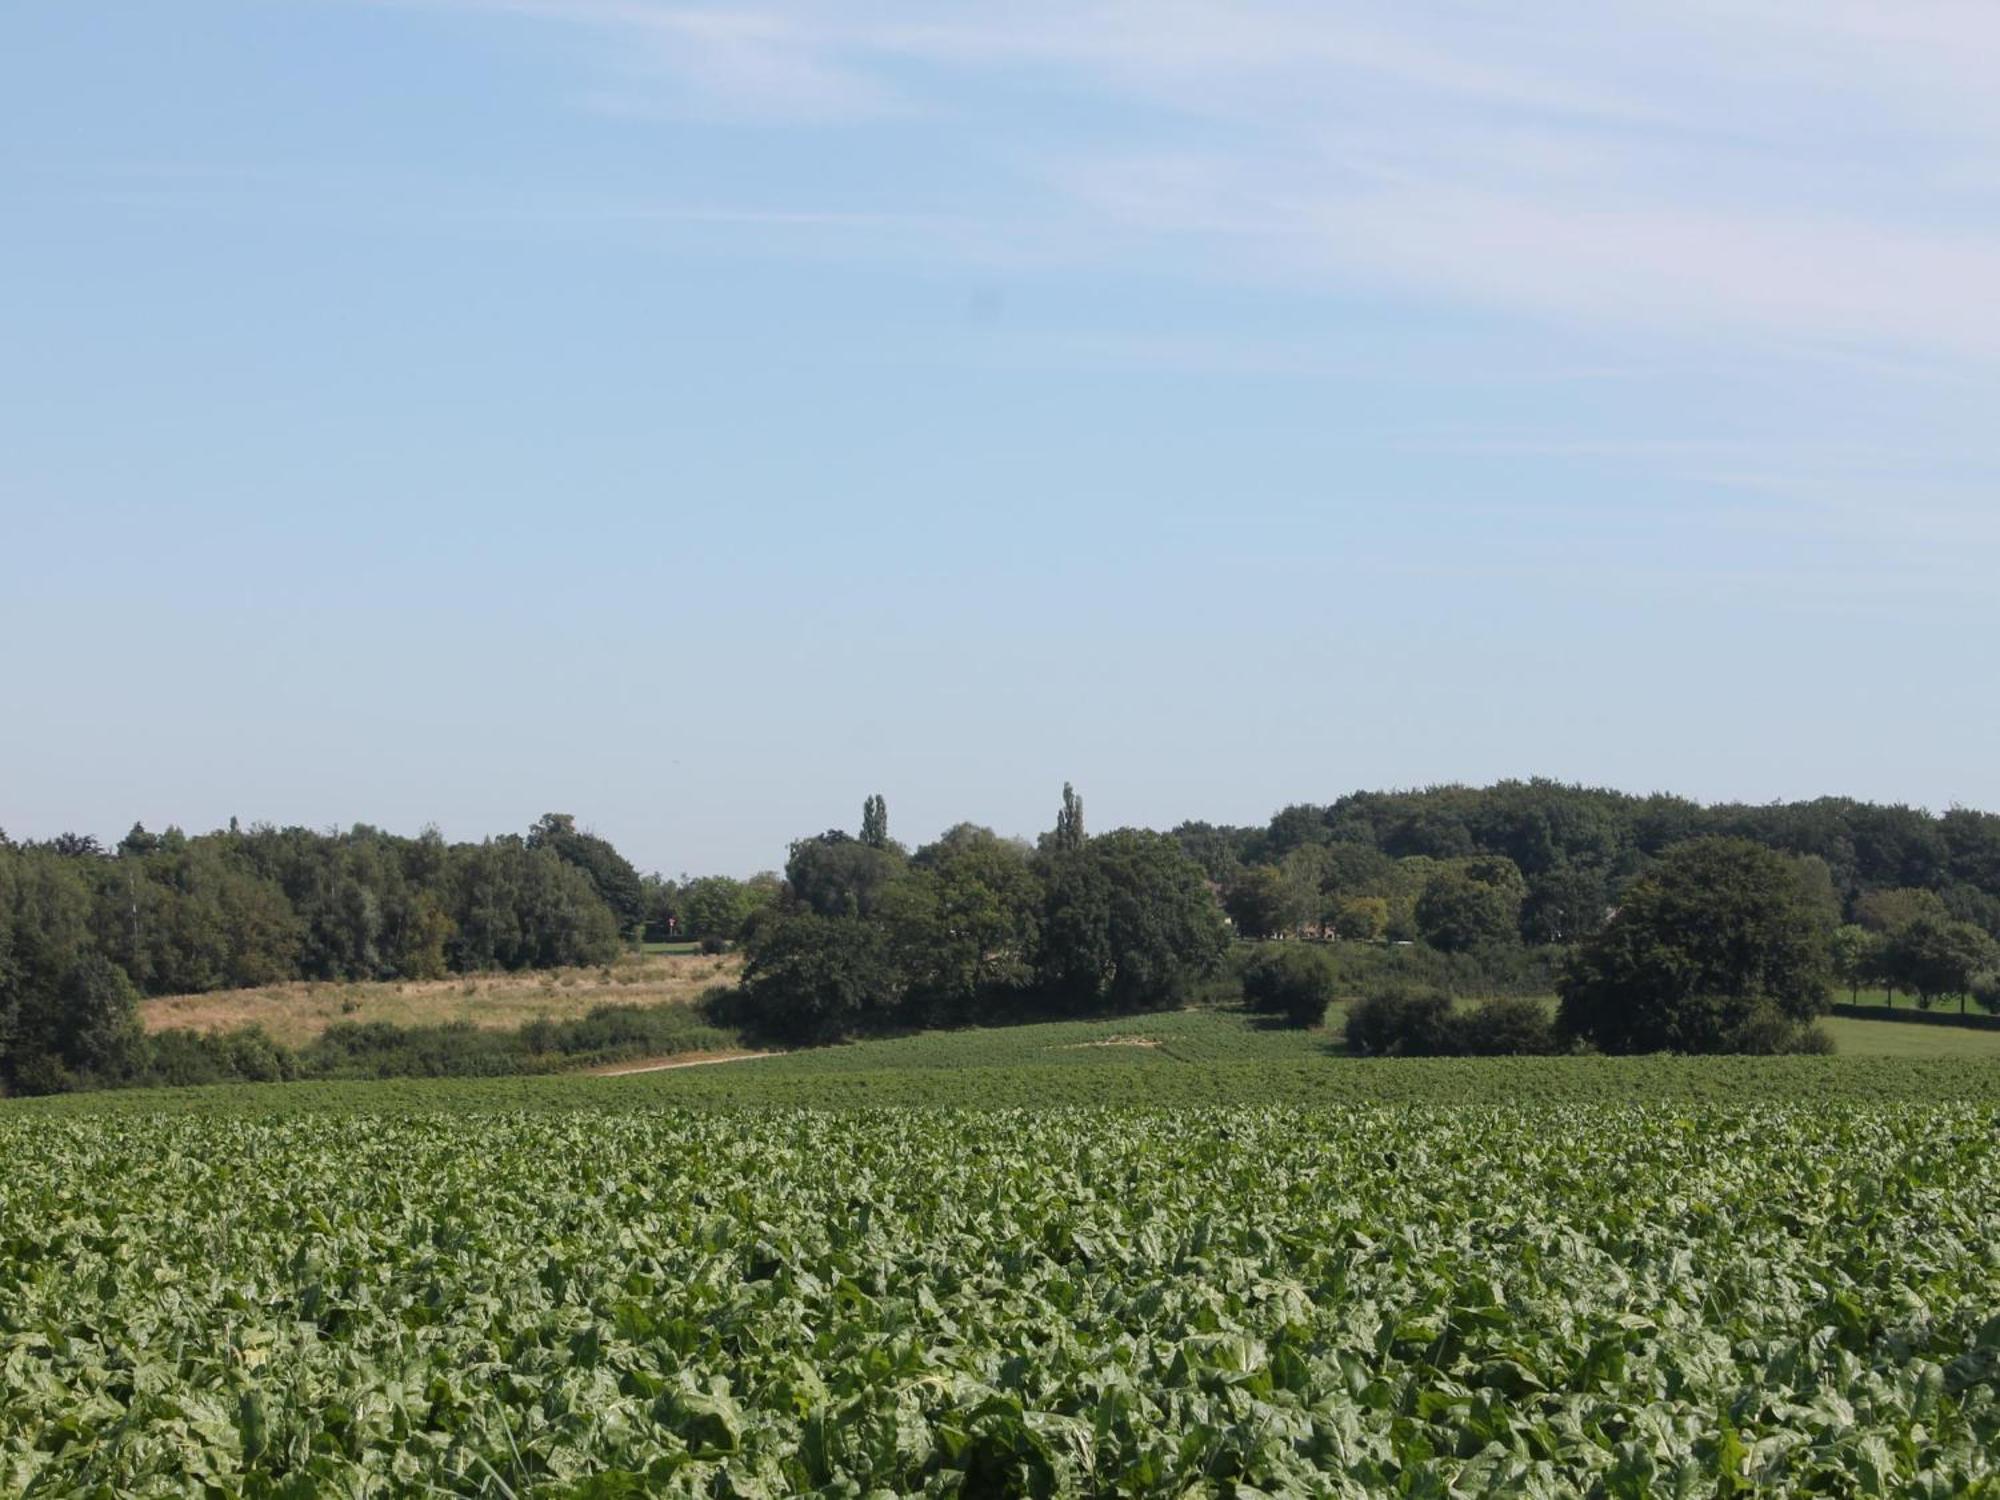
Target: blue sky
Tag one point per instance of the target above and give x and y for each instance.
(698, 417)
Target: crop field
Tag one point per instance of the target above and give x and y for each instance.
(1778, 1297)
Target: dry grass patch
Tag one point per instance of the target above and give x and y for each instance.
(1115, 1041)
(294, 1014)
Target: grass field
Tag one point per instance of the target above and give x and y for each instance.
(296, 1013)
(1857, 1038)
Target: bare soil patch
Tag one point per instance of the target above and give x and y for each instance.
(680, 1060)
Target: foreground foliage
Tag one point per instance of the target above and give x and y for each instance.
(1548, 1299)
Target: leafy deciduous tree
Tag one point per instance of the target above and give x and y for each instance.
(1719, 930)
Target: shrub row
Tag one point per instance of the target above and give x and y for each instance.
(1415, 1021)
(1967, 1019)
(1397, 1020)
(381, 1049)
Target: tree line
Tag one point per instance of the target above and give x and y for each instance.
(85, 931)
(1498, 888)
(1913, 897)
(866, 935)
(1722, 945)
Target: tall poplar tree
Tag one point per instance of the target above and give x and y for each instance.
(1069, 822)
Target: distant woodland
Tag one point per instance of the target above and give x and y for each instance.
(1502, 890)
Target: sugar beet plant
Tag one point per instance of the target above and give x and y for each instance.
(1550, 1300)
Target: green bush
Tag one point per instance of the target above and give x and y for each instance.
(1407, 1021)
(1986, 991)
(1511, 1026)
(1505, 969)
(381, 1049)
(247, 1055)
(1398, 1020)
(1767, 1030)
(1294, 981)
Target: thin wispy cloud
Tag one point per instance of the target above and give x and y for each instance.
(1788, 171)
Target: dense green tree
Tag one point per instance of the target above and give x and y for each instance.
(191, 916)
(96, 1020)
(981, 921)
(1662, 820)
(1355, 869)
(1856, 955)
(809, 977)
(1967, 903)
(717, 907)
(67, 1013)
(839, 876)
(1719, 930)
(1471, 904)
(1220, 851)
(1543, 826)
(1255, 900)
(419, 934)
(1436, 828)
(513, 907)
(616, 882)
(1897, 846)
(1937, 958)
(1303, 877)
(1816, 881)
(1565, 903)
(1362, 919)
(1972, 847)
(1885, 911)
(1127, 922)
(1296, 827)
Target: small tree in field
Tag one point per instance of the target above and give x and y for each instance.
(1856, 954)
